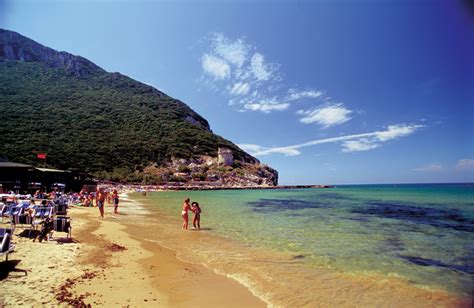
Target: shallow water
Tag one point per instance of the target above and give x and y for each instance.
(422, 235)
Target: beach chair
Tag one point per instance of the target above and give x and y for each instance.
(5, 210)
(16, 210)
(6, 246)
(9, 209)
(62, 224)
(20, 210)
(23, 220)
(41, 213)
(60, 207)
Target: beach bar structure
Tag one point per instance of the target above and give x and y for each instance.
(22, 178)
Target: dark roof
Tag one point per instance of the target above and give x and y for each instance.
(7, 164)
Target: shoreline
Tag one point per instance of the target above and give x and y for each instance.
(107, 264)
(112, 262)
(278, 278)
(184, 187)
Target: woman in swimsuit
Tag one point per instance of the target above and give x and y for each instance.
(184, 213)
(115, 198)
(197, 215)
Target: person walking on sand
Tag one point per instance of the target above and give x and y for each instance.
(115, 199)
(197, 215)
(100, 199)
(184, 213)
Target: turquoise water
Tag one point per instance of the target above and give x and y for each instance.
(422, 233)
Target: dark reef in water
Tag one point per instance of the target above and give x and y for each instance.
(440, 218)
(278, 205)
(468, 269)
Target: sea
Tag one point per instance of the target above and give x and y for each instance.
(357, 238)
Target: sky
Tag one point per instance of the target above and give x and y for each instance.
(326, 92)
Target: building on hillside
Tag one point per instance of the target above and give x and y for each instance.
(225, 157)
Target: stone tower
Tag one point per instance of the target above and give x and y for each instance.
(225, 157)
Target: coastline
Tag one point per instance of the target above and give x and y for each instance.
(283, 279)
(112, 262)
(107, 265)
(206, 187)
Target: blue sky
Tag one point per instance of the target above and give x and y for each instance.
(330, 92)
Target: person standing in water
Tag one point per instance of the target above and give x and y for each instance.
(197, 215)
(184, 213)
(115, 200)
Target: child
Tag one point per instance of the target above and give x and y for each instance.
(197, 215)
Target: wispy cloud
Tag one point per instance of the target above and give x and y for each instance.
(216, 67)
(362, 142)
(240, 88)
(294, 94)
(246, 77)
(359, 145)
(260, 69)
(234, 52)
(267, 106)
(255, 149)
(465, 164)
(430, 168)
(326, 115)
(462, 165)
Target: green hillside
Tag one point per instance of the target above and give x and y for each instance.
(94, 121)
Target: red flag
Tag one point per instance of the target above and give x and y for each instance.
(41, 156)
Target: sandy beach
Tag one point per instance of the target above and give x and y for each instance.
(103, 265)
(110, 263)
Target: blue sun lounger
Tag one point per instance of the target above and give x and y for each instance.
(8, 209)
(41, 213)
(6, 246)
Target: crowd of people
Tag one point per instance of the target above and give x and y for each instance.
(99, 198)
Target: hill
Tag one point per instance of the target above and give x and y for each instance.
(86, 119)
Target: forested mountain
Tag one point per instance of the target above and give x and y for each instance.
(89, 120)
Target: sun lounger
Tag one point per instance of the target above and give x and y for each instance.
(60, 209)
(41, 213)
(16, 210)
(6, 246)
(62, 224)
(60, 206)
(6, 210)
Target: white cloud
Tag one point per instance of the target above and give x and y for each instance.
(465, 164)
(235, 67)
(266, 106)
(326, 115)
(395, 131)
(430, 168)
(240, 88)
(234, 52)
(216, 67)
(253, 148)
(294, 94)
(364, 142)
(260, 69)
(359, 145)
